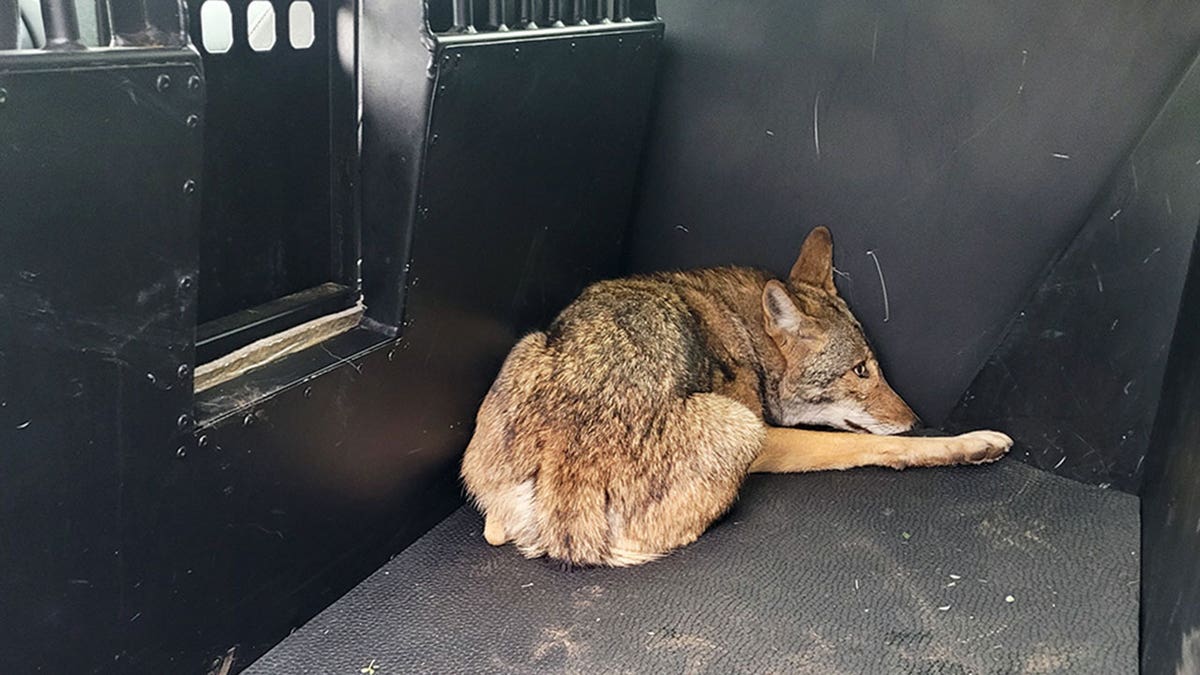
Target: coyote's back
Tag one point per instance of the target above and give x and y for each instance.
(590, 432)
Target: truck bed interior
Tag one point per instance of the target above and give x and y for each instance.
(260, 261)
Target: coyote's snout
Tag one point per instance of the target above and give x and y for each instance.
(627, 427)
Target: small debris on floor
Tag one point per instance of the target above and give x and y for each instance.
(368, 669)
(1009, 598)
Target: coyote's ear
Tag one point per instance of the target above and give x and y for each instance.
(783, 319)
(814, 267)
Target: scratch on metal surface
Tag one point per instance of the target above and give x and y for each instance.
(343, 359)
(1024, 59)
(874, 41)
(958, 148)
(1115, 214)
(1060, 155)
(1152, 254)
(1170, 212)
(887, 311)
(1099, 283)
(817, 124)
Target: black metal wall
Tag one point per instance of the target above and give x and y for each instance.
(1171, 505)
(142, 531)
(959, 145)
(1077, 378)
(99, 177)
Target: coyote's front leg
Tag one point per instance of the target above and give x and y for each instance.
(796, 450)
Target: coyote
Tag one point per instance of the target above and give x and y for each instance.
(627, 427)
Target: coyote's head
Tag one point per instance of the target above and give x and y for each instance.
(830, 376)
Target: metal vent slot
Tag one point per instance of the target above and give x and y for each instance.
(492, 16)
(78, 25)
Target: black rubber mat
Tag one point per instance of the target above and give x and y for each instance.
(997, 569)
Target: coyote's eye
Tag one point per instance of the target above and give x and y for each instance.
(861, 370)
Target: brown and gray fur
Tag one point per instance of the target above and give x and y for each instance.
(626, 428)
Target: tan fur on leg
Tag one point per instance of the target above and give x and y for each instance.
(796, 450)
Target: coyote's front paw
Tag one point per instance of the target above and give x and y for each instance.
(979, 447)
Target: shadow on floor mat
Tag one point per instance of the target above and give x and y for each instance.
(997, 569)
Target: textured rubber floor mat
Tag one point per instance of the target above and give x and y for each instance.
(997, 569)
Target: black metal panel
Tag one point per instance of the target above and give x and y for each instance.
(1171, 505)
(532, 158)
(282, 504)
(275, 163)
(960, 142)
(98, 178)
(308, 474)
(1076, 380)
(396, 90)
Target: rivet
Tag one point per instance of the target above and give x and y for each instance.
(202, 442)
(184, 421)
(183, 371)
(516, 52)
(194, 83)
(308, 392)
(249, 420)
(193, 121)
(446, 58)
(189, 187)
(181, 452)
(3, 95)
(163, 82)
(185, 284)
(392, 355)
